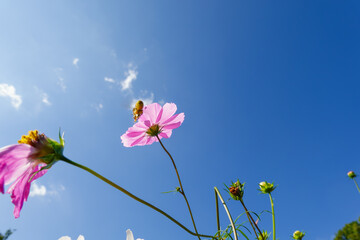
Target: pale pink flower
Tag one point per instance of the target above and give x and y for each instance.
(20, 164)
(154, 121)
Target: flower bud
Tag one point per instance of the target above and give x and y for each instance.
(264, 235)
(351, 174)
(266, 187)
(298, 235)
(236, 190)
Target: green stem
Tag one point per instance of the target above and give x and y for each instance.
(227, 212)
(181, 187)
(273, 215)
(357, 186)
(63, 158)
(251, 220)
(217, 214)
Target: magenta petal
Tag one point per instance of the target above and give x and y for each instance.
(20, 189)
(15, 159)
(2, 179)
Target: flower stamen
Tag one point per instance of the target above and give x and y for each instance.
(31, 138)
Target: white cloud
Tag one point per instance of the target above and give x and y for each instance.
(131, 75)
(9, 91)
(45, 99)
(75, 62)
(146, 100)
(110, 80)
(61, 81)
(41, 190)
(81, 237)
(98, 107)
(37, 190)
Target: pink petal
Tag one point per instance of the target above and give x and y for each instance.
(20, 189)
(166, 133)
(169, 109)
(173, 122)
(137, 141)
(150, 113)
(14, 158)
(2, 179)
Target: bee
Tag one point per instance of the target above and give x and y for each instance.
(138, 110)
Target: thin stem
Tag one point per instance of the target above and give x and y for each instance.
(217, 214)
(242, 202)
(227, 212)
(63, 158)
(357, 186)
(273, 215)
(182, 189)
(250, 218)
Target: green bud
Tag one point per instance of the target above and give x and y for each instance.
(236, 190)
(298, 235)
(351, 174)
(266, 187)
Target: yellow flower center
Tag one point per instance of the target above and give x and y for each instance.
(32, 137)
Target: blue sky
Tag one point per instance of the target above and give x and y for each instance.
(270, 91)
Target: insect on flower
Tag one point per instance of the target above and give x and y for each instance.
(138, 110)
(154, 122)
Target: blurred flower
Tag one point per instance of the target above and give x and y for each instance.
(266, 187)
(298, 235)
(236, 190)
(81, 237)
(130, 236)
(24, 162)
(351, 174)
(154, 121)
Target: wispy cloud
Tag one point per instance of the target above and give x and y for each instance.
(45, 99)
(98, 107)
(37, 190)
(61, 82)
(147, 100)
(110, 80)
(9, 91)
(131, 75)
(75, 62)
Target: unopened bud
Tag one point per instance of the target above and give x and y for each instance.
(266, 187)
(236, 190)
(351, 174)
(298, 235)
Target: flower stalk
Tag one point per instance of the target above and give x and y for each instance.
(357, 186)
(63, 158)
(273, 215)
(227, 212)
(182, 192)
(251, 220)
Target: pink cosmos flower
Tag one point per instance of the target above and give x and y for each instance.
(154, 121)
(22, 163)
